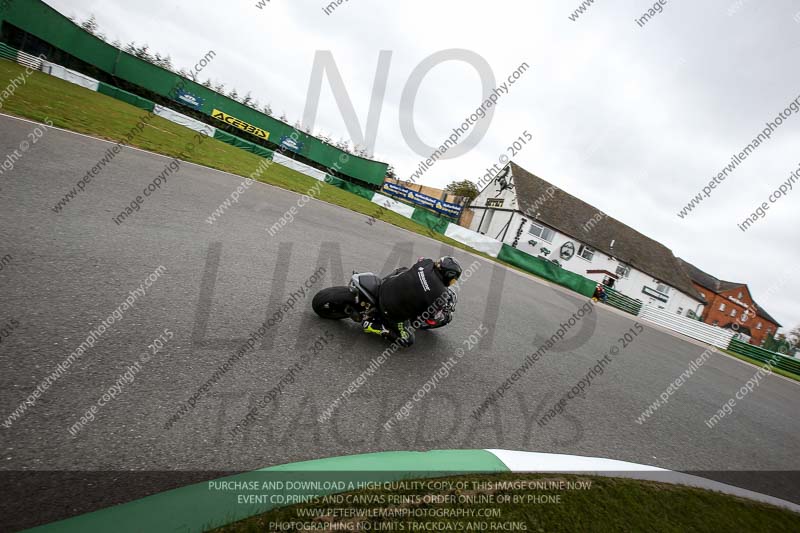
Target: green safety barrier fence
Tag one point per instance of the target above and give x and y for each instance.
(547, 270)
(625, 303)
(349, 187)
(788, 364)
(6, 52)
(430, 220)
(233, 140)
(40, 20)
(125, 96)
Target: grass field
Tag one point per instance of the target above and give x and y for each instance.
(607, 505)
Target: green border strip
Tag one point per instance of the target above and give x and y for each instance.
(195, 508)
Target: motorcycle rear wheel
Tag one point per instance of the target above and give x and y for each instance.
(333, 303)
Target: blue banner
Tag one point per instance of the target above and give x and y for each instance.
(291, 144)
(189, 99)
(423, 200)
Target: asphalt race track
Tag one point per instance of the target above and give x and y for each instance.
(70, 270)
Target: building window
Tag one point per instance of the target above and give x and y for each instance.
(546, 234)
(740, 295)
(662, 288)
(759, 325)
(715, 323)
(623, 271)
(494, 202)
(587, 252)
(680, 310)
(745, 316)
(733, 313)
(721, 307)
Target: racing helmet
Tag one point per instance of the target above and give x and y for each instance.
(449, 269)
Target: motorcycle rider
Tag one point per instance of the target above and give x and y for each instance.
(408, 293)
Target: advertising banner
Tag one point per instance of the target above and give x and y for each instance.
(291, 144)
(241, 124)
(189, 99)
(423, 200)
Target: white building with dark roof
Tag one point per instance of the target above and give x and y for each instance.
(536, 217)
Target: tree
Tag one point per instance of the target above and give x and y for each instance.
(90, 25)
(361, 151)
(464, 188)
(267, 109)
(234, 95)
(207, 84)
(390, 173)
(344, 145)
(166, 62)
(794, 336)
(143, 52)
(220, 88)
(248, 99)
(284, 118)
(116, 44)
(131, 47)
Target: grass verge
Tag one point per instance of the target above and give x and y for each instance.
(78, 109)
(592, 503)
(761, 364)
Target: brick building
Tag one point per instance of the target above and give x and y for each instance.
(730, 305)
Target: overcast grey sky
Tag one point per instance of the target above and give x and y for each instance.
(634, 120)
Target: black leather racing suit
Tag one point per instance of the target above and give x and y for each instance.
(407, 294)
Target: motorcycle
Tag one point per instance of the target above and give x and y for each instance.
(359, 301)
